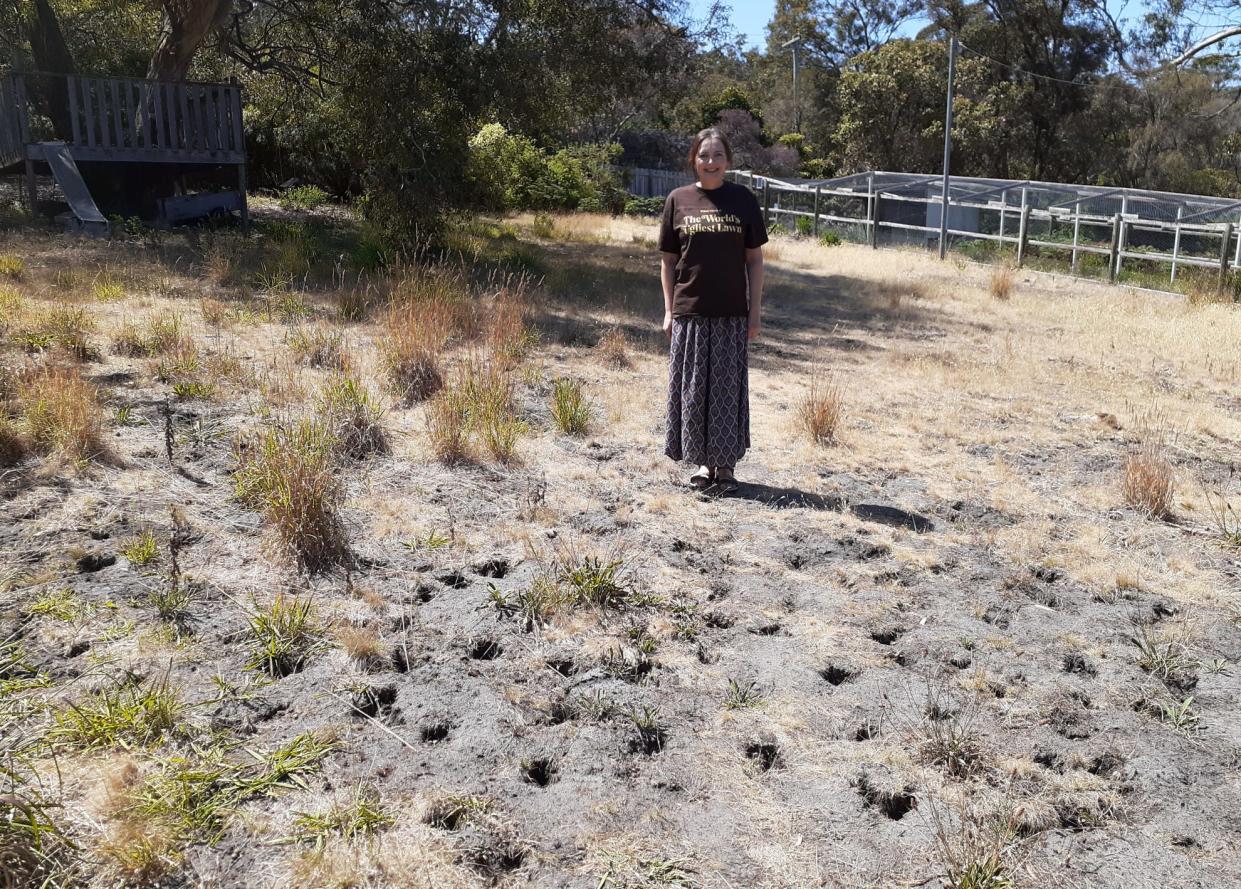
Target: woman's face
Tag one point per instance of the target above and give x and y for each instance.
(711, 162)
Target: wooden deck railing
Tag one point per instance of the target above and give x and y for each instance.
(127, 119)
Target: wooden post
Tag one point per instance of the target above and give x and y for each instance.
(1077, 230)
(1113, 266)
(245, 205)
(816, 211)
(1223, 255)
(1023, 232)
(32, 187)
(1176, 243)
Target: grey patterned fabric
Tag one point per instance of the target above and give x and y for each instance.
(708, 391)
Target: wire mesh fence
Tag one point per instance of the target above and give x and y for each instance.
(1135, 236)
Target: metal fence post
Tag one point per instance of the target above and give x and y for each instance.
(816, 211)
(1124, 232)
(1003, 207)
(1113, 265)
(767, 203)
(1176, 243)
(1022, 233)
(1223, 255)
(1077, 230)
(872, 213)
(1025, 205)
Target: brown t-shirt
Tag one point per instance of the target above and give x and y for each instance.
(711, 230)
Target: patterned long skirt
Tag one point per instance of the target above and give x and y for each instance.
(708, 391)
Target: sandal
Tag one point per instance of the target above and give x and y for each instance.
(702, 478)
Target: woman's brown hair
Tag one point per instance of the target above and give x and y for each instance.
(703, 136)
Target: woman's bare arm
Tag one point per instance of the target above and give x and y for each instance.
(754, 273)
(668, 277)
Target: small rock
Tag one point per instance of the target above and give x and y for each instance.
(95, 561)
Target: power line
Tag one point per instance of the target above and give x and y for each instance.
(1018, 70)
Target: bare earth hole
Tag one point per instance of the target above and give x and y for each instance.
(764, 754)
(485, 650)
(866, 731)
(435, 732)
(539, 772)
(838, 675)
(766, 630)
(894, 804)
(565, 668)
(887, 635)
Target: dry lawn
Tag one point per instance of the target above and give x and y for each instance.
(970, 620)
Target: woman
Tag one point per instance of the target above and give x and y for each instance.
(711, 244)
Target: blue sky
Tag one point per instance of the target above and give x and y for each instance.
(750, 17)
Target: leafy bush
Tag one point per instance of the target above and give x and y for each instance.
(829, 238)
(303, 197)
(644, 206)
(804, 226)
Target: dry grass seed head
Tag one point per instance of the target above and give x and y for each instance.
(820, 409)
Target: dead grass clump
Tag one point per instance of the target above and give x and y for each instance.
(363, 645)
(441, 290)
(613, 349)
(289, 474)
(66, 327)
(13, 444)
(414, 336)
(214, 313)
(11, 266)
(821, 408)
(508, 338)
(1147, 481)
(1001, 282)
(487, 389)
(129, 341)
(448, 428)
(318, 346)
(354, 418)
(165, 334)
(12, 309)
(62, 413)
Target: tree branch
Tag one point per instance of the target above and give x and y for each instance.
(1204, 43)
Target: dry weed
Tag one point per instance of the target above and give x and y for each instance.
(318, 346)
(1147, 481)
(1001, 282)
(363, 645)
(413, 338)
(448, 426)
(508, 338)
(13, 444)
(289, 474)
(820, 409)
(613, 349)
(62, 413)
(354, 418)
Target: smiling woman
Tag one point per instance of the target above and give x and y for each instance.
(711, 240)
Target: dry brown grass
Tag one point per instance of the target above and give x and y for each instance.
(62, 413)
(363, 645)
(412, 340)
(613, 349)
(1147, 481)
(13, 443)
(318, 345)
(289, 474)
(1000, 284)
(820, 409)
(508, 337)
(448, 430)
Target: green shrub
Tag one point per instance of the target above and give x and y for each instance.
(804, 226)
(829, 238)
(644, 206)
(303, 197)
(570, 409)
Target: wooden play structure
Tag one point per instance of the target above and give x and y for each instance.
(61, 121)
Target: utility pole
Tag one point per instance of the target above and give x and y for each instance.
(943, 210)
(795, 44)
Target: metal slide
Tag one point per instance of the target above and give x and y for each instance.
(81, 204)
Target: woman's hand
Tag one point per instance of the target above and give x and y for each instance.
(668, 324)
(755, 326)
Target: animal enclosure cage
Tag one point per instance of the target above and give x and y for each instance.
(1097, 229)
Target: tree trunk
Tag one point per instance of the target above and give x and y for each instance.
(51, 55)
(187, 23)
